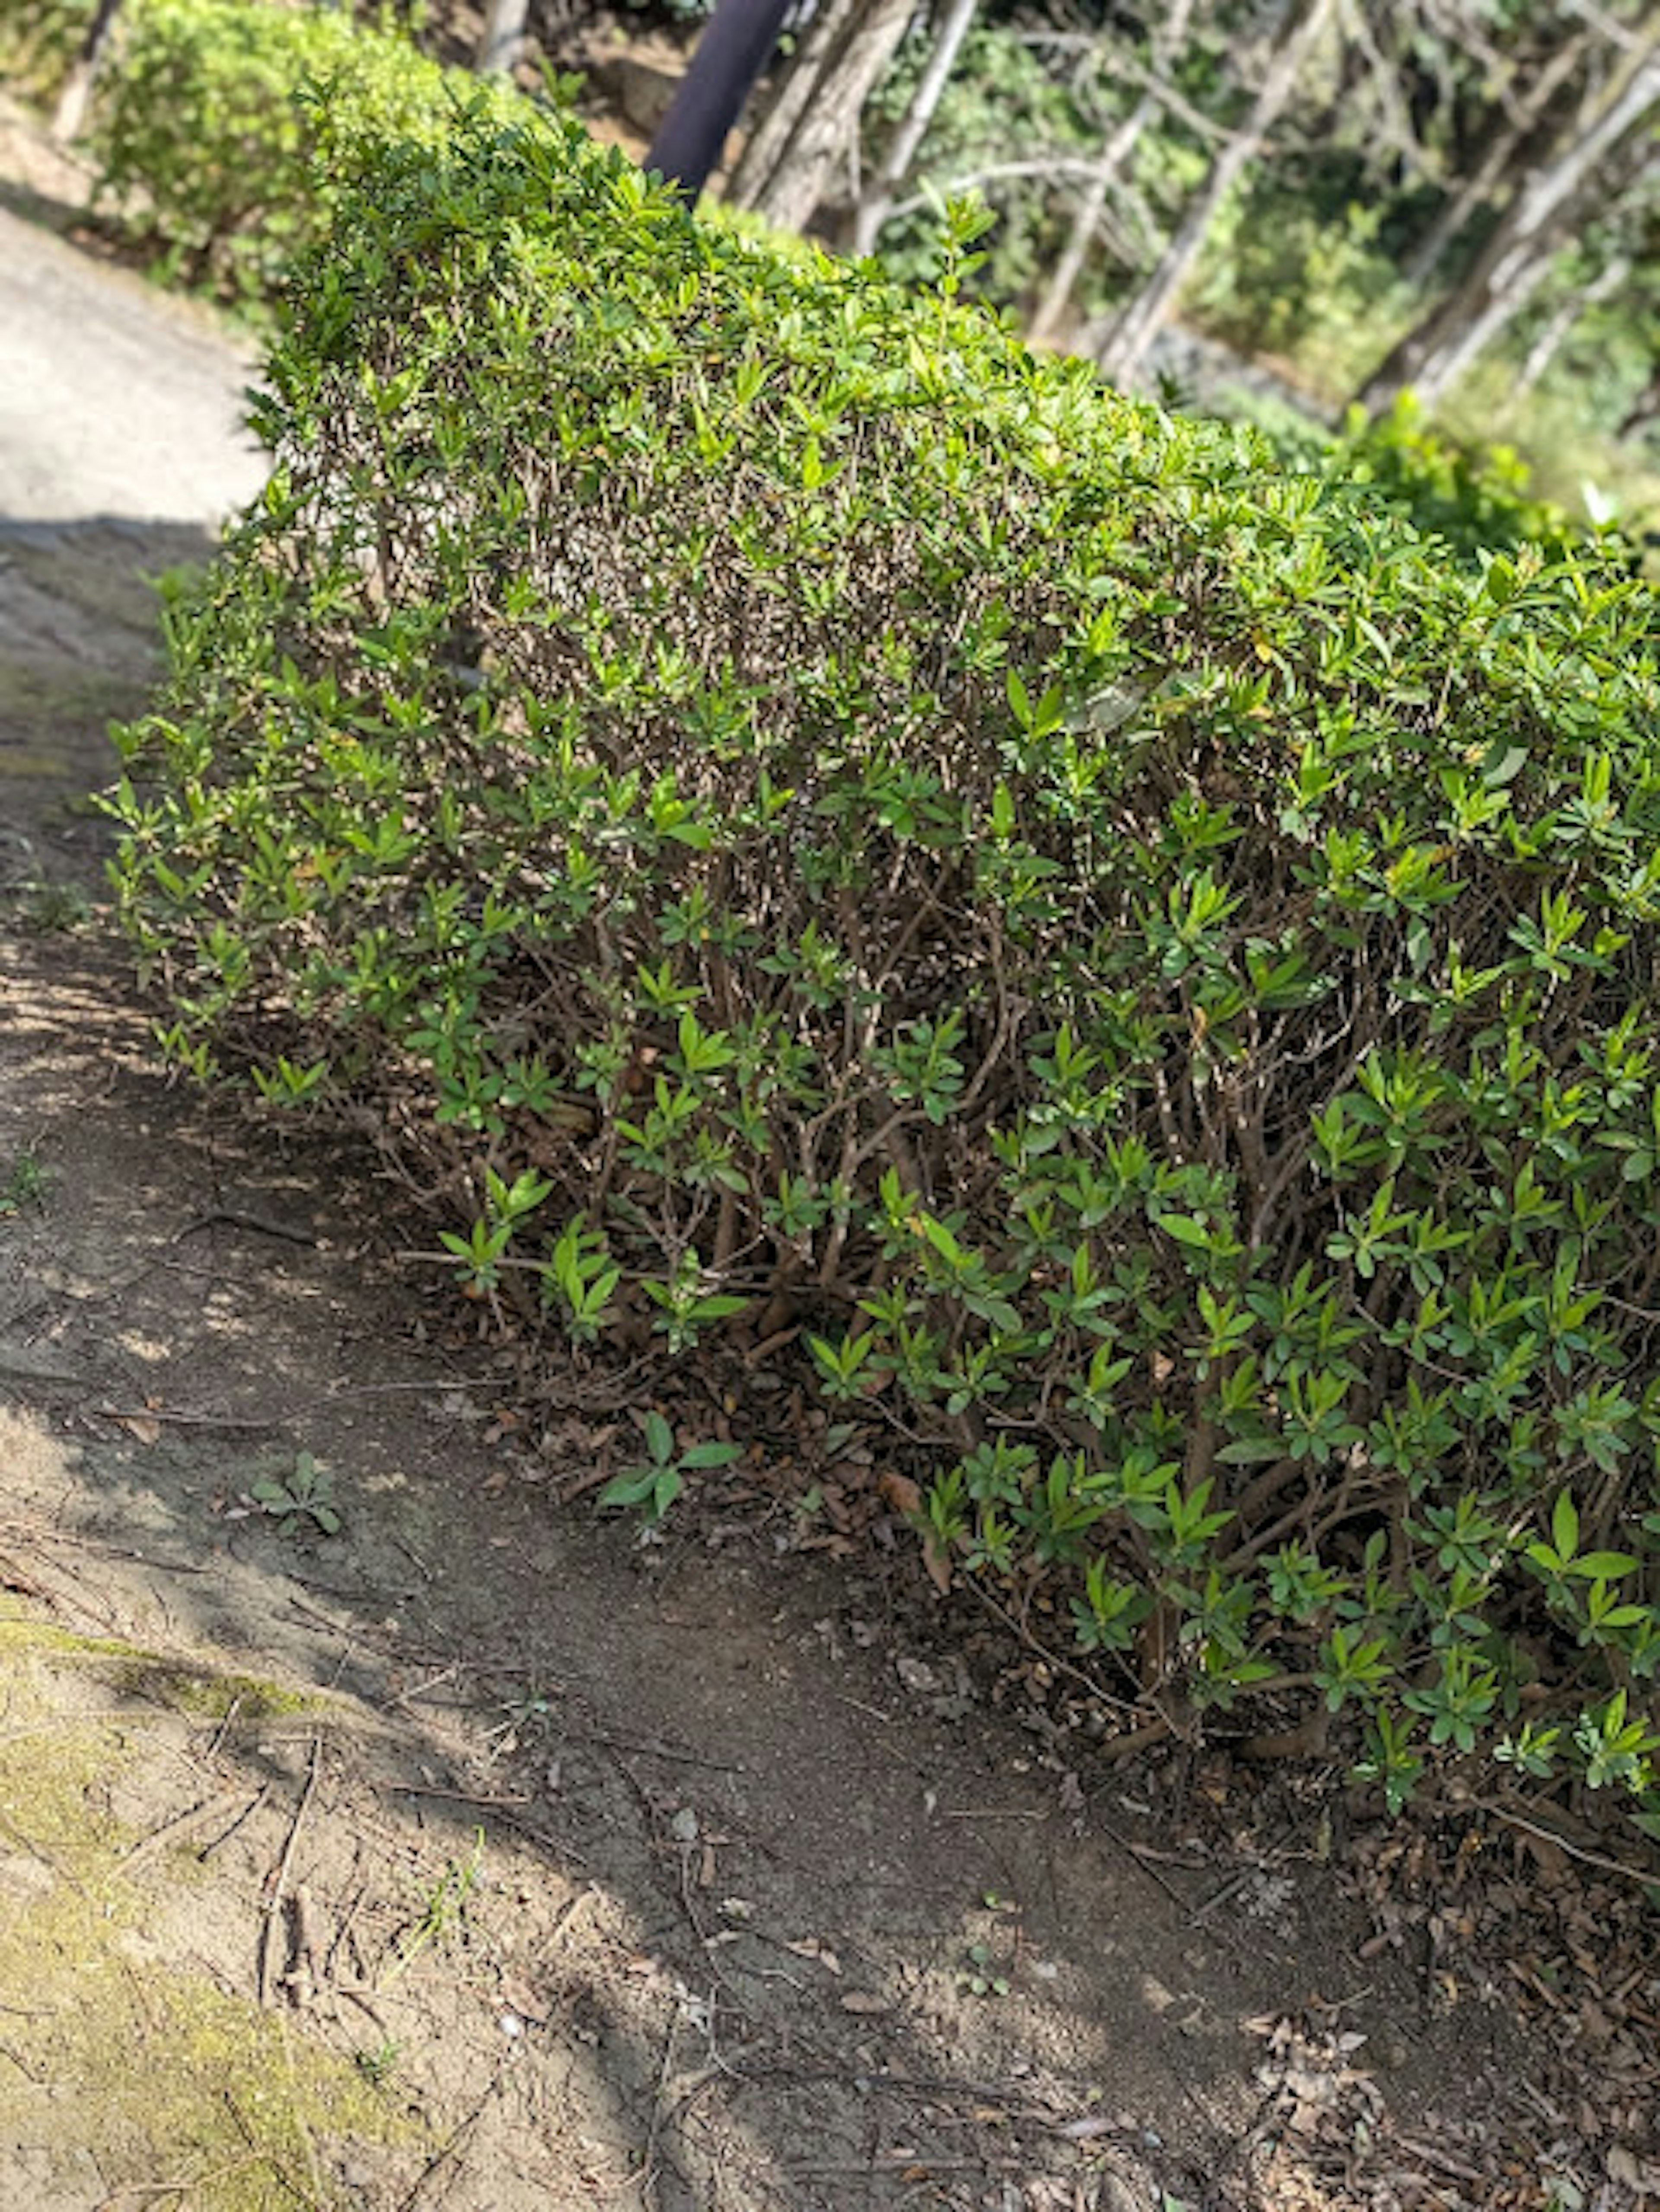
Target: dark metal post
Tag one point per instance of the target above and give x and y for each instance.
(736, 42)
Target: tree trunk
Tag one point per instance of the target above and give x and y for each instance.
(874, 206)
(1092, 206)
(1126, 343)
(71, 108)
(770, 140)
(1512, 265)
(829, 120)
(503, 38)
(1086, 221)
(731, 54)
(1549, 342)
(1457, 211)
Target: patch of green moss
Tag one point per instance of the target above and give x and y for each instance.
(139, 2060)
(207, 1695)
(190, 1687)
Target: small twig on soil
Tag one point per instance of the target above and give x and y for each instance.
(261, 2156)
(500, 1809)
(1220, 1895)
(190, 1420)
(290, 1414)
(236, 1217)
(903, 2162)
(1433, 2154)
(195, 1816)
(446, 1674)
(148, 2192)
(1051, 1659)
(458, 1796)
(273, 1902)
(214, 1843)
(565, 1917)
(1128, 1843)
(344, 1931)
(1018, 2105)
(648, 2160)
(13, 1578)
(1646, 1875)
(873, 1712)
(225, 1725)
(452, 2144)
(304, 1971)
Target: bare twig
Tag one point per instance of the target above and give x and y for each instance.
(190, 1420)
(1648, 1876)
(273, 1900)
(239, 1218)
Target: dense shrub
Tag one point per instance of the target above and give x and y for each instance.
(786, 812)
(203, 150)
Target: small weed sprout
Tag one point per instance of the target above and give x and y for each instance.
(378, 2066)
(305, 1494)
(980, 1976)
(445, 1906)
(24, 1185)
(653, 1485)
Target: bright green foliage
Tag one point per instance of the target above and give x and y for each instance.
(1477, 503)
(652, 1488)
(38, 39)
(795, 806)
(204, 153)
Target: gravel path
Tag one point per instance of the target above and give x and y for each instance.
(115, 401)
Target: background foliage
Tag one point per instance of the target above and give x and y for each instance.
(203, 150)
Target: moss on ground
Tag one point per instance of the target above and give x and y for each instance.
(116, 2049)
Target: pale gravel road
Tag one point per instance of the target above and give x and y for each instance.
(122, 452)
(115, 401)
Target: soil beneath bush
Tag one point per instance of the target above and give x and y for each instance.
(378, 1828)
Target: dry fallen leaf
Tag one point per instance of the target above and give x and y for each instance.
(810, 1947)
(898, 1492)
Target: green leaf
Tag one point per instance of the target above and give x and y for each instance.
(1184, 1229)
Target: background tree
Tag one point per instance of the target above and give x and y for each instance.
(877, 200)
(1301, 24)
(729, 57)
(827, 91)
(1556, 193)
(71, 107)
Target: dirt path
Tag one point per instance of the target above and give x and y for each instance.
(472, 1854)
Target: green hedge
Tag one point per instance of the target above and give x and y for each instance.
(788, 814)
(205, 145)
